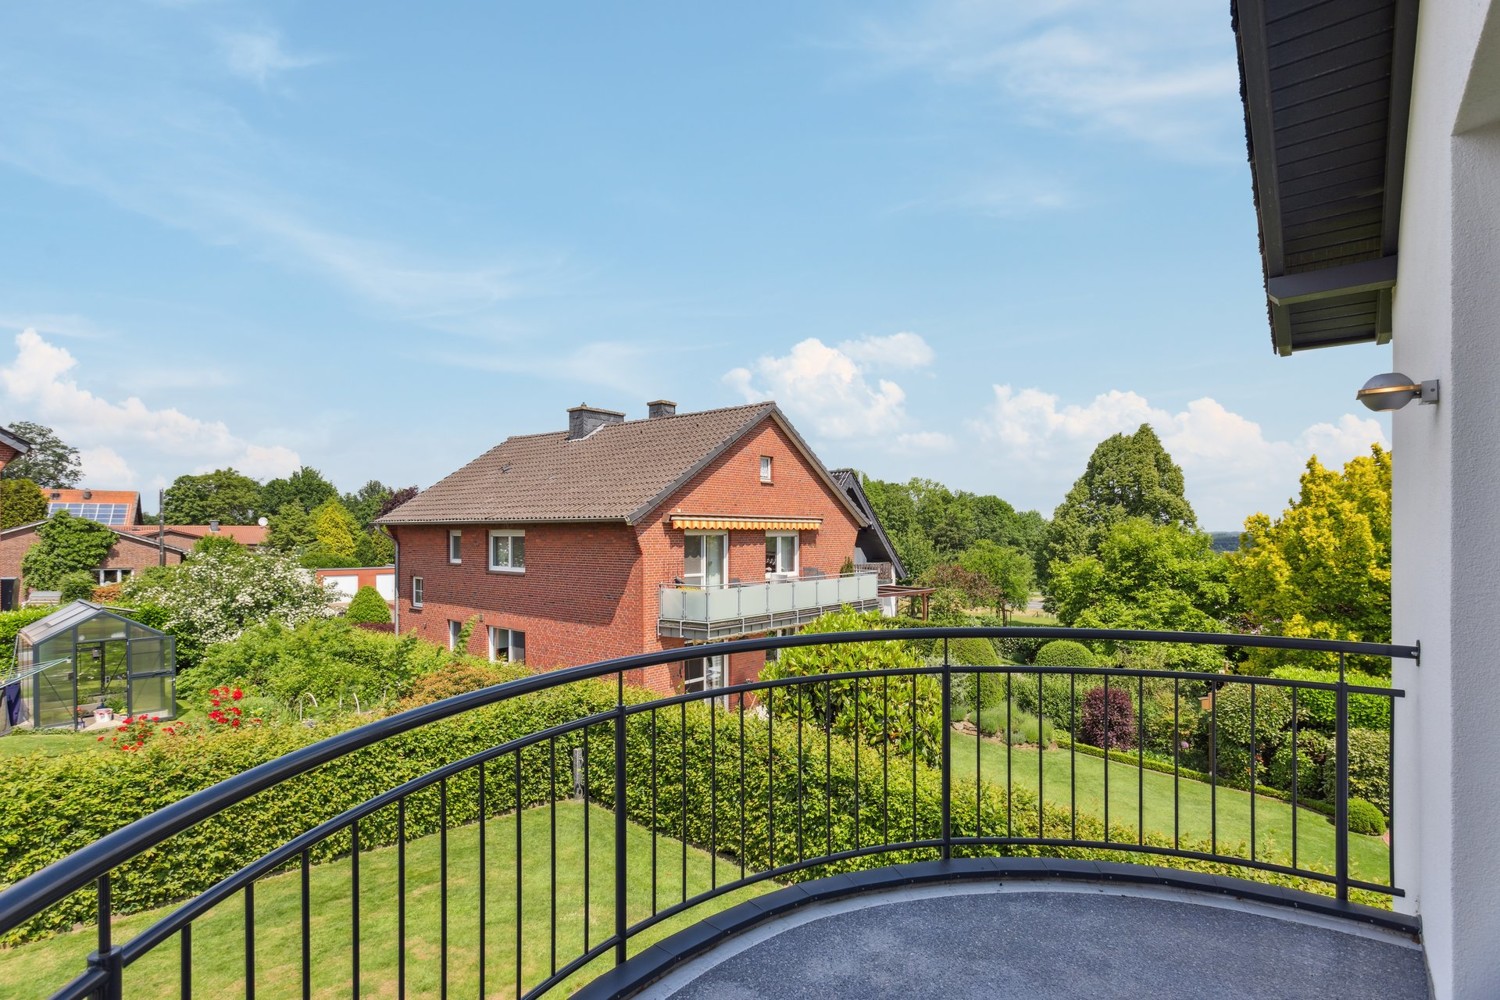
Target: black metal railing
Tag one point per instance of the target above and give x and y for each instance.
(671, 802)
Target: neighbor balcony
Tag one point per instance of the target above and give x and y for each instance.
(703, 613)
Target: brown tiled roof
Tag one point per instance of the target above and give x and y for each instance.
(620, 472)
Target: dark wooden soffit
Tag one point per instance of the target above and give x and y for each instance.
(1326, 86)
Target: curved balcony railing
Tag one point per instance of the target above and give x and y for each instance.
(683, 800)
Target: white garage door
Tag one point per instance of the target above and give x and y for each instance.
(385, 585)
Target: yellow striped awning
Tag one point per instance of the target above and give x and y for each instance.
(701, 522)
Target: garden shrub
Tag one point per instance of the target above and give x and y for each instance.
(911, 716)
(1314, 756)
(1019, 649)
(1064, 653)
(367, 606)
(325, 658)
(1369, 767)
(1228, 725)
(1319, 708)
(76, 586)
(1163, 726)
(1059, 697)
(459, 677)
(1108, 719)
(1015, 726)
(975, 651)
(1365, 818)
(12, 622)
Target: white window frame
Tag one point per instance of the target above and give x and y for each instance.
(714, 673)
(455, 546)
(702, 578)
(105, 577)
(511, 645)
(418, 591)
(454, 629)
(765, 468)
(507, 566)
(796, 567)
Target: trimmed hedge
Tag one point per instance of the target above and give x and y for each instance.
(1319, 708)
(367, 606)
(802, 793)
(1065, 653)
(12, 622)
(1365, 818)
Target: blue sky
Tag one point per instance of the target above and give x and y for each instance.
(956, 240)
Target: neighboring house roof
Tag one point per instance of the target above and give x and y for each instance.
(17, 442)
(111, 507)
(129, 533)
(848, 481)
(1327, 88)
(245, 534)
(620, 472)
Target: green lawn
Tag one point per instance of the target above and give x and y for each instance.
(25, 744)
(1369, 858)
(218, 940)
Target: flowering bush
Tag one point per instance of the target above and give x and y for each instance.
(222, 710)
(221, 591)
(137, 731)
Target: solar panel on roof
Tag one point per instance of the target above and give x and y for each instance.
(104, 513)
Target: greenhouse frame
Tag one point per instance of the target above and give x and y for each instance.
(84, 657)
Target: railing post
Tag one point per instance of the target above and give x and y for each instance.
(620, 828)
(1341, 788)
(947, 762)
(108, 958)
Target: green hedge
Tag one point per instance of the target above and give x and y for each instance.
(792, 807)
(12, 622)
(1319, 708)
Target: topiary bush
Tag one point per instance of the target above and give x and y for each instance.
(1064, 653)
(974, 651)
(1108, 719)
(1365, 818)
(367, 606)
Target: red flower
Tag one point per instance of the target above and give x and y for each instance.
(127, 720)
(237, 694)
(214, 702)
(234, 722)
(101, 739)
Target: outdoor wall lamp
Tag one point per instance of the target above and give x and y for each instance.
(1393, 390)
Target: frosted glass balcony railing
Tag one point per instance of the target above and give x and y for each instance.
(745, 608)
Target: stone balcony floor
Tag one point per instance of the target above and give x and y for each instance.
(1019, 939)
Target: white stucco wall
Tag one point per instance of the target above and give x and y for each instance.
(1446, 506)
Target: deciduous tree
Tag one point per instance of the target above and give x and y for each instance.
(50, 463)
(1323, 568)
(1128, 475)
(222, 495)
(307, 488)
(1007, 570)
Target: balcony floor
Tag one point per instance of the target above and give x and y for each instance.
(1018, 939)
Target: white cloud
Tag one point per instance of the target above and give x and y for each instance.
(1231, 467)
(258, 56)
(39, 383)
(831, 388)
(898, 350)
(924, 442)
(1154, 70)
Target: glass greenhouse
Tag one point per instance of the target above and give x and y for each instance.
(84, 657)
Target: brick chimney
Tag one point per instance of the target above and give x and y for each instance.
(660, 408)
(584, 420)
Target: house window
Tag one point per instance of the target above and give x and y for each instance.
(416, 591)
(705, 559)
(507, 645)
(703, 673)
(508, 551)
(765, 468)
(455, 547)
(781, 555)
(455, 634)
(109, 576)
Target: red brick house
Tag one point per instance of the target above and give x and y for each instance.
(616, 537)
(11, 447)
(140, 546)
